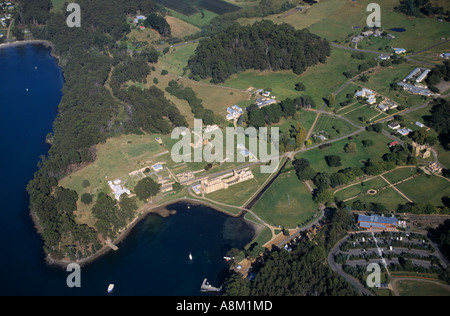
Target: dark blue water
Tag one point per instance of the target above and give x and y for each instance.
(152, 260)
(398, 29)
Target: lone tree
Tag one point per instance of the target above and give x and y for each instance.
(350, 148)
(333, 161)
(146, 188)
(86, 198)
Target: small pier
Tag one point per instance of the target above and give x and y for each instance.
(112, 246)
(209, 288)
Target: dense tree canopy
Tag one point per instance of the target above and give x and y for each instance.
(263, 45)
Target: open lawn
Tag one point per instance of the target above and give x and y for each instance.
(198, 19)
(287, 202)
(361, 113)
(317, 156)
(335, 19)
(58, 5)
(359, 189)
(216, 98)
(180, 28)
(332, 127)
(400, 174)
(421, 288)
(306, 120)
(432, 55)
(426, 189)
(320, 80)
(176, 60)
(387, 196)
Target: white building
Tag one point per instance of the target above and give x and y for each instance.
(117, 189)
(399, 50)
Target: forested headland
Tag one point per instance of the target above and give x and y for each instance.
(261, 46)
(89, 113)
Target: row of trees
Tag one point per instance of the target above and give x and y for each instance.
(186, 93)
(272, 114)
(263, 45)
(421, 8)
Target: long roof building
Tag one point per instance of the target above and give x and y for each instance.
(377, 221)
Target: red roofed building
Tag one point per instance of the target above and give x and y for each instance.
(393, 144)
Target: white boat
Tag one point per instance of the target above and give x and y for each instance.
(190, 256)
(110, 288)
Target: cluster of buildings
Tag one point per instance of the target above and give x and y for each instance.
(224, 182)
(265, 98)
(366, 34)
(234, 113)
(403, 131)
(201, 141)
(118, 189)
(138, 21)
(387, 105)
(5, 7)
(434, 167)
(371, 99)
(413, 82)
(368, 94)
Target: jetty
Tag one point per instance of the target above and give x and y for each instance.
(206, 287)
(112, 246)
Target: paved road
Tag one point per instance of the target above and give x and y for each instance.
(335, 267)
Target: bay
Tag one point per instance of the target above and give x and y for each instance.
(152, 260)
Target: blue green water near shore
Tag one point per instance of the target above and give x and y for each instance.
(152, 259)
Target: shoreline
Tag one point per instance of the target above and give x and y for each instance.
(160, 210)
(33, 42)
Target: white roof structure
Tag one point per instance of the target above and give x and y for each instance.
(423, 75)
(117, 189)
(399, 50)
(419, 124)
(412, 74)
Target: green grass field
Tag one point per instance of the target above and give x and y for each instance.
(58, 5)
(320, 80)
(287, 202)
(426, 189)
(357, 189)
(306, 120)
(388, 197)
(177, 59)
(335, 19)
(332, 127)
(400, 174)
(421, 288)
(316, 156)
(197, 19)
